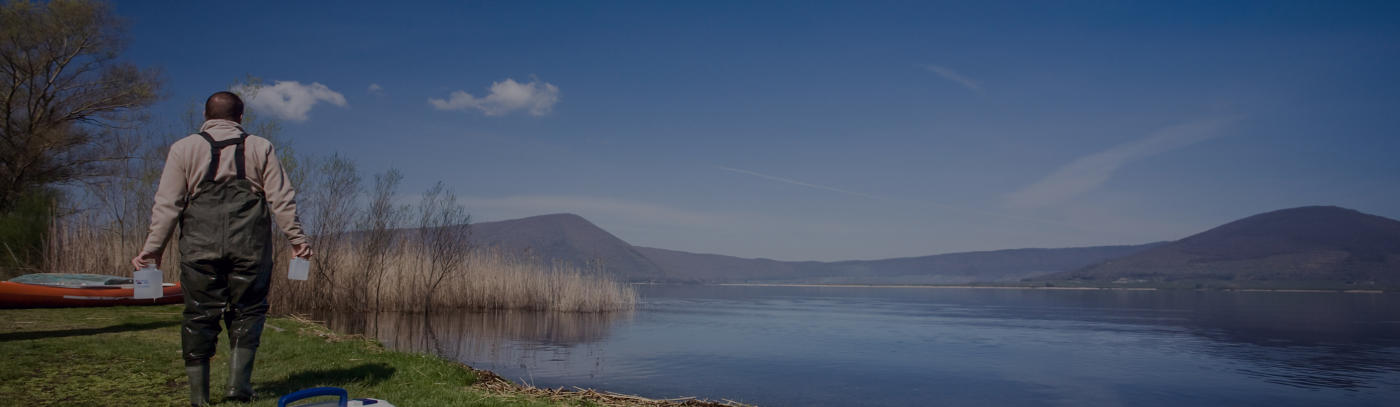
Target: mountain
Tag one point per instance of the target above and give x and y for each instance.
(567, 238)
(984, 266)
(699, 267)
(572, 239)
(1316, 244)
(952, 268)
(1307, 244)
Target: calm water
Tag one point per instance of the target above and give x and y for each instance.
(791, 346)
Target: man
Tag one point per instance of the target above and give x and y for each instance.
(223, 187)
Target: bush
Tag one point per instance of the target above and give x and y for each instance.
(23, 229)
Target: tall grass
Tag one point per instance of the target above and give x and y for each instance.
(382, 263)
(484, 279)
(489, 279)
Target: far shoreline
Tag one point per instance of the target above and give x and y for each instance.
(985, 287)
(1030, 287)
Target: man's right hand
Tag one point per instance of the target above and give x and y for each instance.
(302, 250)
(141, 260)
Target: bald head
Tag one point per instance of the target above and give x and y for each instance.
(224, 105)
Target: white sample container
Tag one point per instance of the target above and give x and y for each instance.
(147, 282)
(298, 269)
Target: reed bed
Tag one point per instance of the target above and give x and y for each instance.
(373, 253)
(487, 279)
(406, 277)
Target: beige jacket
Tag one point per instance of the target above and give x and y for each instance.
(185, 168)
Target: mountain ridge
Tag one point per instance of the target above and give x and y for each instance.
(1310, 243)
(1314, 243)
(948, 268)
(570, 238)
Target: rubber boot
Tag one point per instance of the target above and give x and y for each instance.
(240, 375)
(198, 372)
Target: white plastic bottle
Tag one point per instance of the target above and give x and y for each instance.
(298, 269)
(147, 283)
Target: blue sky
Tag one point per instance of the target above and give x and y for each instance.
(814, 130)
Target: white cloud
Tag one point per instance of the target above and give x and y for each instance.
(289, 99)
(956, 77)
(375, 89)
(1089, 172)
(506, 96)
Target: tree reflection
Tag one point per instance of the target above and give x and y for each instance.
(484, 339)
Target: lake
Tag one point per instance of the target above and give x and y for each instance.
(841, 346)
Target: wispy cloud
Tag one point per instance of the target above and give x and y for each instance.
(914, 203)
(799, 183)
(289, 99)
(536, 97)
(949, 74)
(375, 89)
(1091, 171)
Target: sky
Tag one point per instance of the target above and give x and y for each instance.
(823, 130)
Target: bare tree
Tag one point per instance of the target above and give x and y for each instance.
(331, 205)
(377, 237)
(124, 195)
(444, 239)
(63, 93)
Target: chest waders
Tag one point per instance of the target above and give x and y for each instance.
(225, 269)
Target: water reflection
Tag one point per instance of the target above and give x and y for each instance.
(1308, 340)
(1304, 340)
(550, 341)
(886, 346)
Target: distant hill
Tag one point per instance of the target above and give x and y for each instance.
(1316, 244)
(572, 239)
(983, 266)
(567, 238)
(1307, 244)
(952, 268)
(698, 267)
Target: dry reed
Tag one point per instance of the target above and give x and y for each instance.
(487, 278)
(378, 267)
(373, 255)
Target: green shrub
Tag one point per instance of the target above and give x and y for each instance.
(23, 229)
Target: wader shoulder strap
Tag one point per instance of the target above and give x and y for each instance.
(216, 146)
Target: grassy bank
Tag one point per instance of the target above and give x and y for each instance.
(130, 356)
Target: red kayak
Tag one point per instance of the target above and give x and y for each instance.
(77, 290)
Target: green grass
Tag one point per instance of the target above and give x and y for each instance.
(130, 356)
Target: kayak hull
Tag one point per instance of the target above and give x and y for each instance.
(20, 295)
